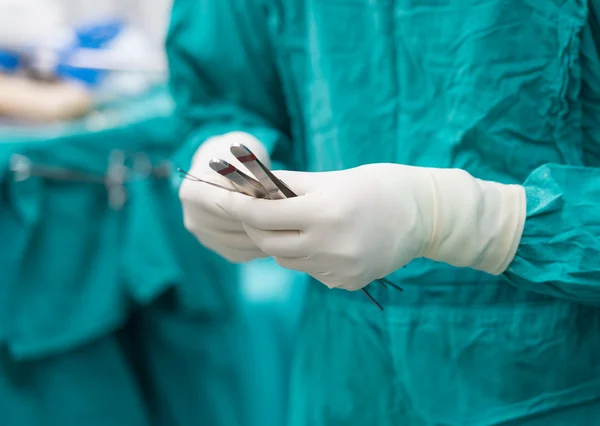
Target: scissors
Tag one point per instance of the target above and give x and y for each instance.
(267, 186)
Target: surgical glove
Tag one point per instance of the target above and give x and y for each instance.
(210, 225)
(354, 226)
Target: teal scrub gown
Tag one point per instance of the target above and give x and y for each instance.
(111, 314)
(508, 90)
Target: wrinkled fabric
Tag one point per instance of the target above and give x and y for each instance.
(214, 89)
(432, 362)
(76, 269)
(507, 90)
(147, 373)
(72, 265)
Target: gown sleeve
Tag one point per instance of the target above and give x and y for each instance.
(559, 253)
(223, 74)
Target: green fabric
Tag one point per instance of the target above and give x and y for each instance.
(149, 373)
(218, 91)
(73, 267)
(90, 385)
(435, 362)
(86, 336)
(507, 90)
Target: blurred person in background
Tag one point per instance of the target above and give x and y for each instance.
(111, 313)
(452, 147)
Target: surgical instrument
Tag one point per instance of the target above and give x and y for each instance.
(385, 281)
(277, 189)
(187, 175)
(246, 157)
(246, 183)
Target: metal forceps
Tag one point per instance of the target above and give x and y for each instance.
(266, 185)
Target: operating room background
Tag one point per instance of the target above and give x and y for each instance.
(149, 16)
(271, 296)
(152, 17)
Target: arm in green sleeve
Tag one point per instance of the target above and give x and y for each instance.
(559, 253)
(223, 75)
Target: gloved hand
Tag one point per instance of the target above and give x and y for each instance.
(215, 229)
(354, 226)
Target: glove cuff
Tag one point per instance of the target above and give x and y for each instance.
(477, 224)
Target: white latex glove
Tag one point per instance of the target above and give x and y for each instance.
(354, 226)
(215, 229)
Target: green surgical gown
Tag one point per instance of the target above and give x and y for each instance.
(508, 90)
(111, 316)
